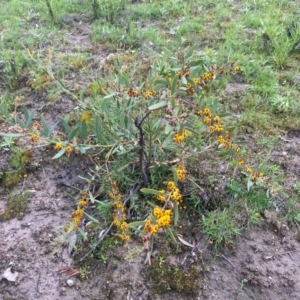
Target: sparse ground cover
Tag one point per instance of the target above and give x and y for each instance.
(149, 149)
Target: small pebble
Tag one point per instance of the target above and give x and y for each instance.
(70, 282)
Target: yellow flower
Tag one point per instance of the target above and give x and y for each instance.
(69, 149)
(58, 146)
(176, 195)
(161, 197)
(147, 226)
(164, 221)
(86, 116)
(181, 173)
(249, 170)
(207, 121)
(241, 163)
(207, 112)
(34, 138)
(171, 186)
(157, 212)
(124, 226)
(237, 68)
(82, 203)
(124, 237)
(154, 229)
(217, 119)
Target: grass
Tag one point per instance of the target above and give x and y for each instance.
(147, 41)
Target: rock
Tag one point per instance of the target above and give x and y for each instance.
(70, 282)
(10, 275)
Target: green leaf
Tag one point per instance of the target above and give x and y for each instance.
(66, 126)
(91, 218)
(73, 133)
(160, 86)
(12, 135)
(174, 84)
(135, 225)
(83, 149)
(52, 129)
(168, 52)
(25, 111)
(110, 95)
(173, 103)
(20, 122)
(158, 105)
(59, 153)
(45, 129)
(29, 119)
(98, 130)
(176, 213)
(91, 197)
(83, 131)
(190, 52)
(151, 192)
(168, 128)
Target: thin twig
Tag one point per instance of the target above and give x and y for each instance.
(38, 283)
(141, 151)
(228, 261)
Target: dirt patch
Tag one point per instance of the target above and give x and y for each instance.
(264, 265)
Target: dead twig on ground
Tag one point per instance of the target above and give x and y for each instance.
(223, 256)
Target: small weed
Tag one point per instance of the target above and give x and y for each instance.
(293, 211)
(16, 207)
(220, 227)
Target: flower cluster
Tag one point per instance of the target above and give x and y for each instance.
(178, 138)
(148, 94)
(214, 122)
(58, 146)
(181, 172)
(119, 216)
(183, 73)
(173, 193)
(86, 117)
(162, 218)
(34, 138)
(225, 141)
(77, 215)
(206, 77)
(132, 93)
(254, 176)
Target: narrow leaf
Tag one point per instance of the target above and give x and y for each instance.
(158, 105)
(29, 119)
(45, 129)
(190, 52)
(151, 192)
(73, 133)
(174, 84)
(184, 242)
(98, 130)
(66, 126)
(12, 135)
(20, 122)
(59, 153)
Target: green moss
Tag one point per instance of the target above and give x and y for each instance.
(16, 206)
(12, 178)
(167, 277)
(19, 161)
